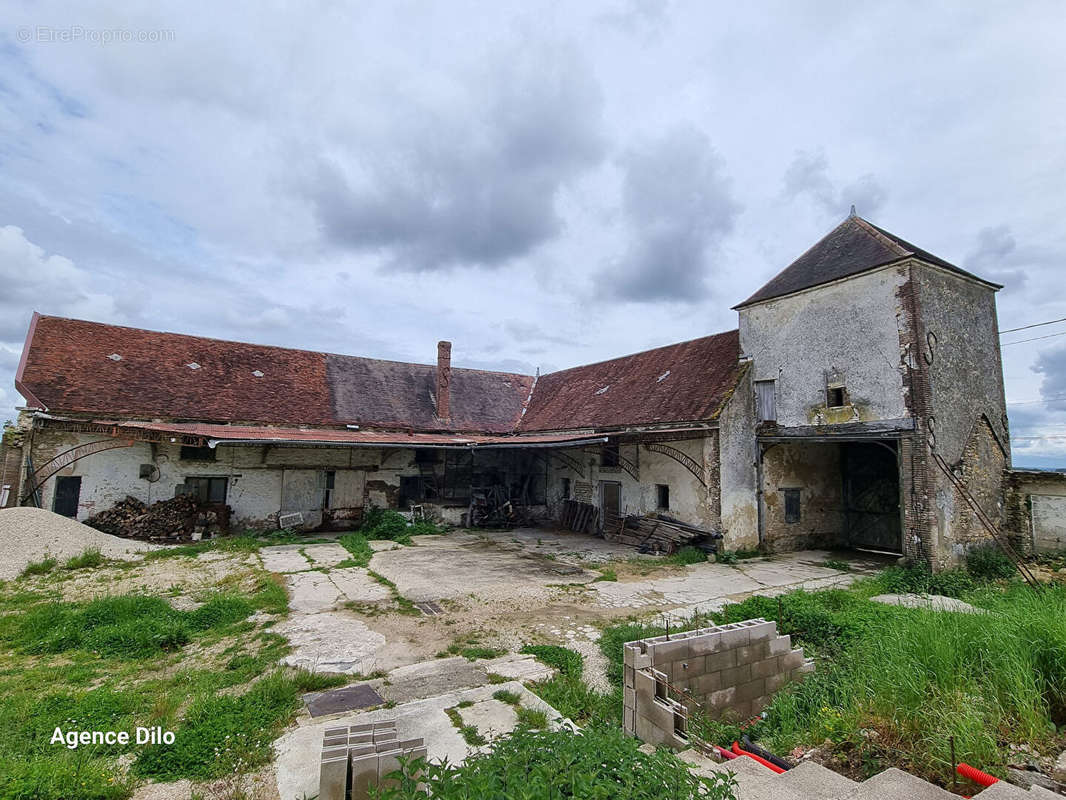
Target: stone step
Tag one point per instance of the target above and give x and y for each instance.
(895, 784)
(816, 782)
(1004, 791)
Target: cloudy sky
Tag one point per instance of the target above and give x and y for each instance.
(543, 184)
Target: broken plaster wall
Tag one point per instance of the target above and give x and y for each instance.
(1035, 514)
(262, 479)
(967, 410)
(813, 469)
(737, 455)
(690, 500)
(842, 333)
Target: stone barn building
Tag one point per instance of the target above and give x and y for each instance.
(860, 403)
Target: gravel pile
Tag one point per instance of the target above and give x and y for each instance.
(31, 534)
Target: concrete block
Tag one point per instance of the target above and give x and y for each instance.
(335, 741)
(644, 684)
(627, 719)
(758, 704)
(706, 644)
(648, 731)
(629, 698)
(792, 660)
(766, 667)
(330, 732)
(334, 751)
(388, 762)
(736, 676)
(628, 674)
(725, 659)
(806, 668)
(360, 738)
(333, 778)
(775, 682)
(361, 750)
(708, 682)
(366, 727)
(752, 652)
(384, 735)
(722, 698)
(674, 650)
(411, 744)
(751, 690)
(364, 775)
(780, 645)
(762, 632)
(735, 637)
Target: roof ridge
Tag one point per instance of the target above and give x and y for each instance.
(870, 229)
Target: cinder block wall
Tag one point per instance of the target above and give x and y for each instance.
(729, 671)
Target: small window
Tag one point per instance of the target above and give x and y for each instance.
(766, 401)
(566, 488)
(207, 490)
(197, 453)
(609, 455)
(662, 492)
(327, 495)
(836, 397)
(792, 505)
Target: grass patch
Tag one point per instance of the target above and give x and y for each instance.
(687, 555)
(569, 662)
(735, 556)
(606, 574)
(988, 562)
(506, 696)
(380, 523)
(357, 545)
(90, 557)
(832, 563)
(476, 652)
(125, 626)
(600, 762)
(42, 567)
(309, 681)
(532, 718)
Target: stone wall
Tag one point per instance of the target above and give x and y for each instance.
(1035, 511)
(729, 671)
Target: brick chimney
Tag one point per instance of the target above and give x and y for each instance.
(444, 380)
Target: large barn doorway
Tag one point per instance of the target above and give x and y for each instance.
(871, 496)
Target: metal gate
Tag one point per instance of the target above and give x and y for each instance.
(871, 497)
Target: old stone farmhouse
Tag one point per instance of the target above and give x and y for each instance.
(862, 388)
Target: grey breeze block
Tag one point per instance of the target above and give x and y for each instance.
(356, 757)
(731, 671)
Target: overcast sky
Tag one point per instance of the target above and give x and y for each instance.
(543, 184)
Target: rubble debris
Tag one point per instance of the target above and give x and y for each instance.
(179, 519)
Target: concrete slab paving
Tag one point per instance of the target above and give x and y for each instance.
(930, 602)
(355, 584)
(518, 667)
(312, 591)
(381, 545)
(493, 718)
(330, 641)
(430, 679)
(326, 555)
(284, 558)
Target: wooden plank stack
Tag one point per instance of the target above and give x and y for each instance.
(656, 534)
(580, 517)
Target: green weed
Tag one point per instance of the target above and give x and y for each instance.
(91, 557)
(42, 567)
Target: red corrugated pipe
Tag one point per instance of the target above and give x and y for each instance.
(728, 755)
(740, 752)
(976, 775)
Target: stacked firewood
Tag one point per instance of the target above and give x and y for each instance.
(173, 520)
(656, 534)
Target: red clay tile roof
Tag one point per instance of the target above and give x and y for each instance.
(680, 382)
(87, 367)
(73, 366)
(854, 246)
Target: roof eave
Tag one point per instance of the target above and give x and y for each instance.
(32, 401)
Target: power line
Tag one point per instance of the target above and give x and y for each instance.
(1049, 336)
(1034, 325)
(1034, 402)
